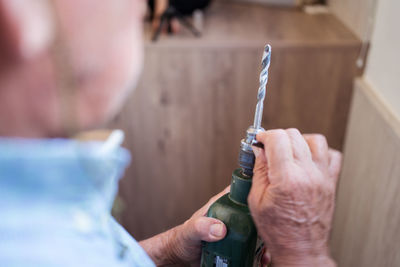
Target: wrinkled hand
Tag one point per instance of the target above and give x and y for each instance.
(187, 245)
(292, 196)
(182, 244)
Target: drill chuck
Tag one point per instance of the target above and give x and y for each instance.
(246, 155)
(246, 162)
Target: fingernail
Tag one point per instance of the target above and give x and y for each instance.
(217, 230)
(256, 150)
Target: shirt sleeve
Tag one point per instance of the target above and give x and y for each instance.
(128, 248)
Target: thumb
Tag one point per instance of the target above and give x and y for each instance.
(206, 229)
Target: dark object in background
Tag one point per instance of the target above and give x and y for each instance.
(283, 3)
(184, 7)
(178, 9)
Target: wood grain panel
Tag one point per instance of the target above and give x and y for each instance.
(196, 98)
(366, 230)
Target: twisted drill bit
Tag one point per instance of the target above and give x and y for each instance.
(246, 155)
(266, 59)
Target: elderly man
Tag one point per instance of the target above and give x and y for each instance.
(67, 65)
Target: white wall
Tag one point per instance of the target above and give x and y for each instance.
(383, 66)
(355, 14)
(382, 17)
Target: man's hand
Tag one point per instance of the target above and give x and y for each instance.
(292, 196)
(182, 244)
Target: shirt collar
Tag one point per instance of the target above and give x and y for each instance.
(62, 170)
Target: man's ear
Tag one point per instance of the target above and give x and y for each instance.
(26, 28)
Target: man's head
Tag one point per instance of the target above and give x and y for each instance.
(66, 65)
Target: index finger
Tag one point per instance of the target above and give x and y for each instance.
(203, 210)
(278, 149)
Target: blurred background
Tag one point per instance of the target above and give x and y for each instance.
(333, 71)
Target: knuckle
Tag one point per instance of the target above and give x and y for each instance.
(198, 226)
(293, 131)
(262, 136)
(276, 132)
(337, 154)
(319, 139)
(271, 135)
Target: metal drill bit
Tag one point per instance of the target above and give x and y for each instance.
(266, 59)
(246, 155)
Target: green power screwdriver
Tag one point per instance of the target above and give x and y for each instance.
(240, 247)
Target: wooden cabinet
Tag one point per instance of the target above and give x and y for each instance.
(196, 98)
